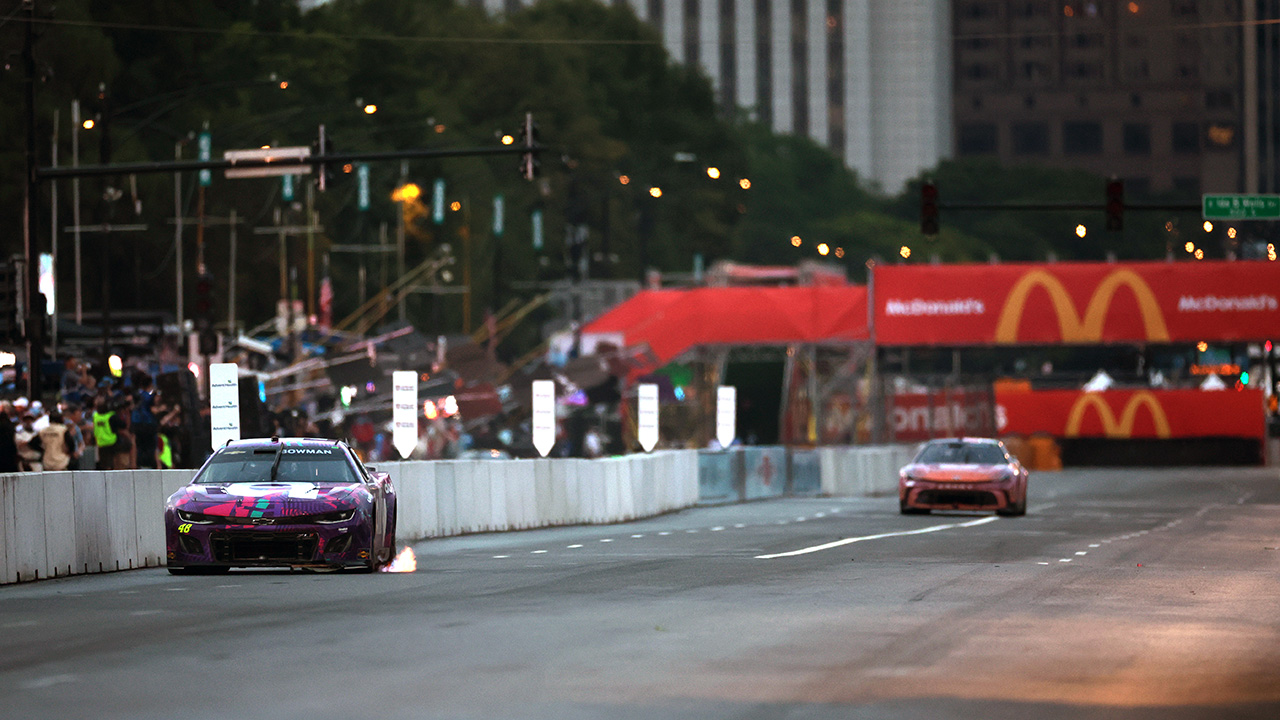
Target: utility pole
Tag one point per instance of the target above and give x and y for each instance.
(201, 221)
(34, 339)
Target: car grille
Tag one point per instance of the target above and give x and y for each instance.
(977, 498)
(264, 547)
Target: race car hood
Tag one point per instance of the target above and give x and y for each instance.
(269, 499)
(947, 472)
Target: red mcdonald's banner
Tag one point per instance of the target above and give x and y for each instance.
(1124, 414)
(1076, 303)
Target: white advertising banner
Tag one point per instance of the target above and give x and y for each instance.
(726, 414)
(647, 416)
(404, 412)
(544, 416)
(224, 403)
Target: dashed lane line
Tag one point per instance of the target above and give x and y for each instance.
(847, 541)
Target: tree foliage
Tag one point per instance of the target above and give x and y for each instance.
(609, 102)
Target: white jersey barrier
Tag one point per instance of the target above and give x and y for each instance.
(67, 523)
(866, 471)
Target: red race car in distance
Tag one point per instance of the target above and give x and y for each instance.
(963, 474)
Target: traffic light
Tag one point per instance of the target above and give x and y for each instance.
(1115, 205)
(323, 147)
(929, 209)
(10, 302)
(204, 302)
(529, 140)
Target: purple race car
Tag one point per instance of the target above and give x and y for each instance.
(288, 502)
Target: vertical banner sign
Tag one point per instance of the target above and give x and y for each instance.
(536, 222)
(205, 145)
(286, 188)
(404, 413)
(726, 414)
(46, 282)
(224, 403)
(362, 188)
(498, 209)
(437, 202)
(544, 416)
(647, 416)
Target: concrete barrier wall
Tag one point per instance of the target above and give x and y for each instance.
(64, 523)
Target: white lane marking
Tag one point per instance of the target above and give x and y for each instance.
(717, 528)
(638, 536)
(801, 519)
(20, 624)
(128, 592)
(846, 541)
(228, 586)
(1043, 563)
(691, 531)
(1082, 552)
(501, 557)
(175, 589)
(1095, 545)
(820, 515)
(1064, 560)
(574, 547)
(606, 539)
(739, 525)
(665, 532)
(538, 552)
(48, 681)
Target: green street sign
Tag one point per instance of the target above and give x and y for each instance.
(1241, 207)
(286, 188)
(437, 202)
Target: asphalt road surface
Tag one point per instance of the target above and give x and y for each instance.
(1122, 594)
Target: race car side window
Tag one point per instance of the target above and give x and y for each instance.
(364, 472)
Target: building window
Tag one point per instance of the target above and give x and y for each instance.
(1034, 70)
(1030, 138)
(1084, 71)
(1186, 138)
(1219, 99)
(1086, 40)
(980, 71)
(1137, 139)
(977, 139)
(1082, 138)
(979, 10)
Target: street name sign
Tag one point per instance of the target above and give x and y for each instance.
(286, 157)
(1241, 207)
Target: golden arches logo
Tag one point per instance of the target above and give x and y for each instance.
(1124, 427)
(1075, 328)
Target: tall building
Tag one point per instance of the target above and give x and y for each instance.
(1151, 91)
(869, 79)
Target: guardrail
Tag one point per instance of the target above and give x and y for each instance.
(55, 524)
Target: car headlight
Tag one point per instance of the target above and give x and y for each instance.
(195, 517)
(337, 516)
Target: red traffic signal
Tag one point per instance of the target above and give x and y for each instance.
(929, 209)
(1115, 204)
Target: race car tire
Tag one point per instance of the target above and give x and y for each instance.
(1016, 510)
(906, 509)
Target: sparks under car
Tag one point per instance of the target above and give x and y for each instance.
(282, 503)
(963, 474)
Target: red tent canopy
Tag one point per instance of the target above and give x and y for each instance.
(672, 321)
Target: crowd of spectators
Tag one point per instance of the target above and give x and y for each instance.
(107, 423)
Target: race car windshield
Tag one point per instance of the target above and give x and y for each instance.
(961, 454)
(313, 465)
